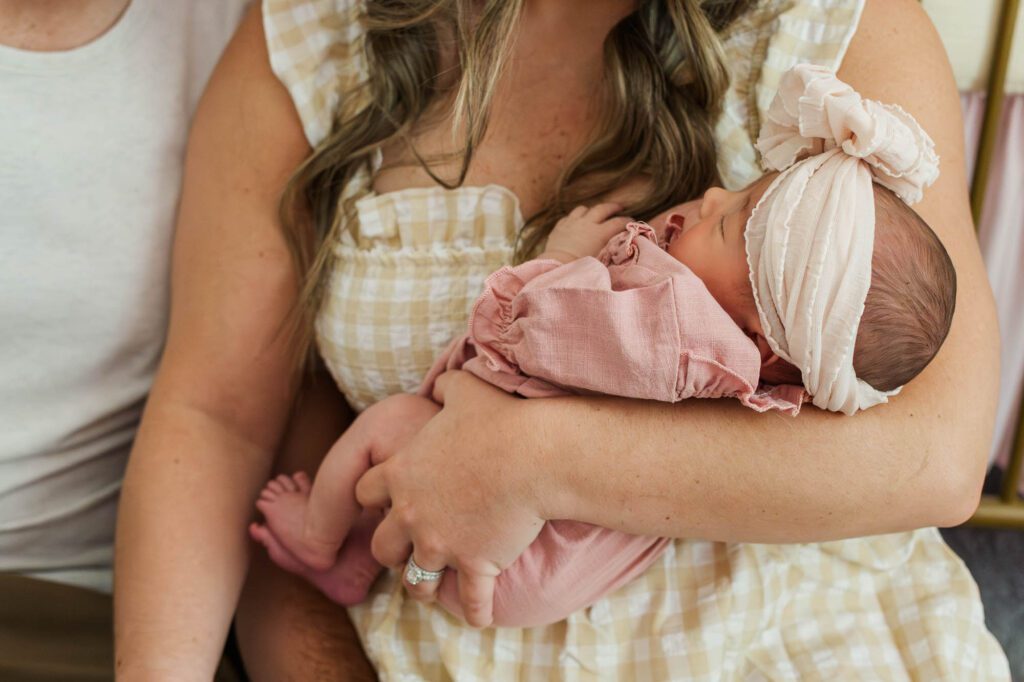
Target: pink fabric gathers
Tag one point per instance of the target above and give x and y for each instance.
(633, 322)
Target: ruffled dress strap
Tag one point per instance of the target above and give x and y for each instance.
(761, 46)
(317, 50)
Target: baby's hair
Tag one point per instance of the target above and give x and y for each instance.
(909, 307)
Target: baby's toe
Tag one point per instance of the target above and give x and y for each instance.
(302, 481)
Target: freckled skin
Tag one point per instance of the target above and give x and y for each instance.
(543, 113)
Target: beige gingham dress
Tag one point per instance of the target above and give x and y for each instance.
(894, 607)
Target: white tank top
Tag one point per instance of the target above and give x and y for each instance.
(91, 150)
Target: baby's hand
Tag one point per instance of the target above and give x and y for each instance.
(584, 232)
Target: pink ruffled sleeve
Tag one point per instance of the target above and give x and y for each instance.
(640, 326)
(573, 329)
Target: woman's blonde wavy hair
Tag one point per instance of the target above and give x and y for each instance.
(665, 78)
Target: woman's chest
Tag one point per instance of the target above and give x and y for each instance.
(408, 274)
(536, 126)
(403, 286)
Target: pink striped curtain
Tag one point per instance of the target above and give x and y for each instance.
(1001, 235)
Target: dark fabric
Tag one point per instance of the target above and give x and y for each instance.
(52, 632)
(995, 558)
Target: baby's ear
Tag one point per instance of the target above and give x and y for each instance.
(768, 356)
(775, 370)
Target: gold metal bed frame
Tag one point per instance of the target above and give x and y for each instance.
(1005, 510)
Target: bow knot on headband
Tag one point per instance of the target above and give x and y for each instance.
(810, 238)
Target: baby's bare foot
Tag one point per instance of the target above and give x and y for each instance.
(356, 569)
(347, 582)
(278, 554)
(283, 502)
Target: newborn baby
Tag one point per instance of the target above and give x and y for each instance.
(816, 282)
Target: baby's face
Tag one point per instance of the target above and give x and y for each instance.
(710, 242)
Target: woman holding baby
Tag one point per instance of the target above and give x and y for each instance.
(393, 222)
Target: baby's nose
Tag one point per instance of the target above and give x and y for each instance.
(713, 197)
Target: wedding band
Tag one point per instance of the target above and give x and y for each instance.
(414, 575)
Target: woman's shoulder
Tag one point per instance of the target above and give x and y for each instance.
(316, 50)
(762, 45)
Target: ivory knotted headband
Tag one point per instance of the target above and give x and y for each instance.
(811, 236)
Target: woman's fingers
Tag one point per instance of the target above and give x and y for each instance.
(425, 590)
(372, 489)
(577, 212)
(391, 544)
(476, 594)
(431, 513)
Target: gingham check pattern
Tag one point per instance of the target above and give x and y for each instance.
(896, 607)
(403, 288)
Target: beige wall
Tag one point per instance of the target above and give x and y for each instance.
(968, 30)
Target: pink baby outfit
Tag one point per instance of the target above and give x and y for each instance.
(634, 322)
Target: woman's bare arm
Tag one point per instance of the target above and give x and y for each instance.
(470, 491)
(225, 384)
(732, 475)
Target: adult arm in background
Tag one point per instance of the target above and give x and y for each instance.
(471, 491)
(286, 628)
(222, 395)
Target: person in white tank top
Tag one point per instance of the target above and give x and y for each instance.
(95, 103)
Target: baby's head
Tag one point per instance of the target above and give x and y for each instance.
(820, 263)
(909, 305)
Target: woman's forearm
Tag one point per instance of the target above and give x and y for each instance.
(181, 543)
(713, 469)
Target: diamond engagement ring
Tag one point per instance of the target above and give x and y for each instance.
(414, 575)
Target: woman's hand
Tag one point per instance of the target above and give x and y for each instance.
(584, 232)
(460, 493)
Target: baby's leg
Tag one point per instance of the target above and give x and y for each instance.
(568, 567)
(311, 521)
